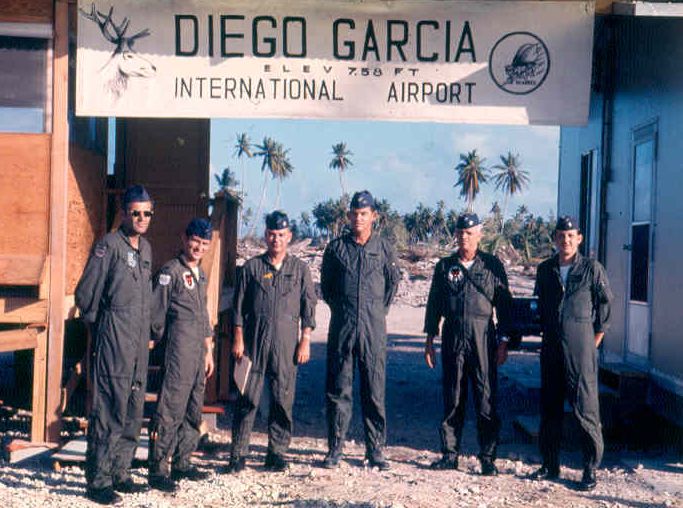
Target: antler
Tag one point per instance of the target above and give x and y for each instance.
(113, 33)
(103, 22)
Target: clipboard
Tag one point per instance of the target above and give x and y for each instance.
(241, 373)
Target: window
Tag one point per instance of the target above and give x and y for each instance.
(23, 84)
(589, 206)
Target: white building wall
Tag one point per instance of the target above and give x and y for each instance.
(649, 88)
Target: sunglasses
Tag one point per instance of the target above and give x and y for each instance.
(137, 213)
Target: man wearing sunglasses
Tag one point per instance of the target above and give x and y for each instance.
(114, 296)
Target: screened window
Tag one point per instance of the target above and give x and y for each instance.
(23, 84)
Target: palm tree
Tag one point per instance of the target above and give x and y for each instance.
(280, 168)
(242, 148)
(226, 181)
(276, 161)
(341, 161)
(471, 174)
(265, 150)
(510, 178)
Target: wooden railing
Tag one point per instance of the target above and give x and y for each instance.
(218, 264)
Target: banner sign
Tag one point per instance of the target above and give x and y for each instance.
(504, 62)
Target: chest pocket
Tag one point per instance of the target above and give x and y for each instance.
(286, 283)
(289, 295)
(481, 294)
(578, 302)
(372, 263)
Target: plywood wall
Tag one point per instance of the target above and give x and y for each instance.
(86, 208)
(24, 194)
(26, 11)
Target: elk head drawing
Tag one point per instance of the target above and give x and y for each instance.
(124, 62)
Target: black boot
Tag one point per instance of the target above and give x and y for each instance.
(546, 473)
(162, 483)
(237, 465)
(105, 496)
(588, 481)
(488, 467)
(192, 474)
(275, 462)
(128, 486)
(332, 458)
(376, 459)
(447, 461)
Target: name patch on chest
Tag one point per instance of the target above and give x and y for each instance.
(188, 280)
(132, 260)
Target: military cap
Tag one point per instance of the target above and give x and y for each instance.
(199, 227)
(566, 223)
(277, 220)
(362, 199)
(467, 221)
(135, 194)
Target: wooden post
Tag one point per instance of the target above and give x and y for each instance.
(58, 214)
(39, 387)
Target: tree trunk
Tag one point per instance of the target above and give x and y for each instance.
(260, 205)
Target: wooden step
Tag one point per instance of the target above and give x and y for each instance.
(206, 409)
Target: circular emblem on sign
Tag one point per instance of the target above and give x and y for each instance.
(519, 63)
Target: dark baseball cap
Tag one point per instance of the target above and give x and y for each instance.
(467, 221)
(277, 220)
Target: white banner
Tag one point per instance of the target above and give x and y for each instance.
(505, 62)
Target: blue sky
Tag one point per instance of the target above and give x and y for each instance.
(406, 163)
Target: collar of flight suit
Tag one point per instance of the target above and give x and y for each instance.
(183, 261)
(477, 258)
(578, 261)
(285, 262)
(372, 246)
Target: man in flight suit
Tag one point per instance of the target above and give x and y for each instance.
(180, 319)
(273, 317)
(359, 278)
(574, 303)
(466, 287)
(114, 296)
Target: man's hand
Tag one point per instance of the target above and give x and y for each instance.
(502, 353)
(208, 362)
(598, 338)
(237, 343)
(303, 351)
(430, 354)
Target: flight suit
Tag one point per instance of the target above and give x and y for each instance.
(358, 282)
(180, 319)
(114, 295)
(271, 306)
(570, 318)
(465, 299)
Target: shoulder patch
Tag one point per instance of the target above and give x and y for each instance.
(100, 250)
(164, 279)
